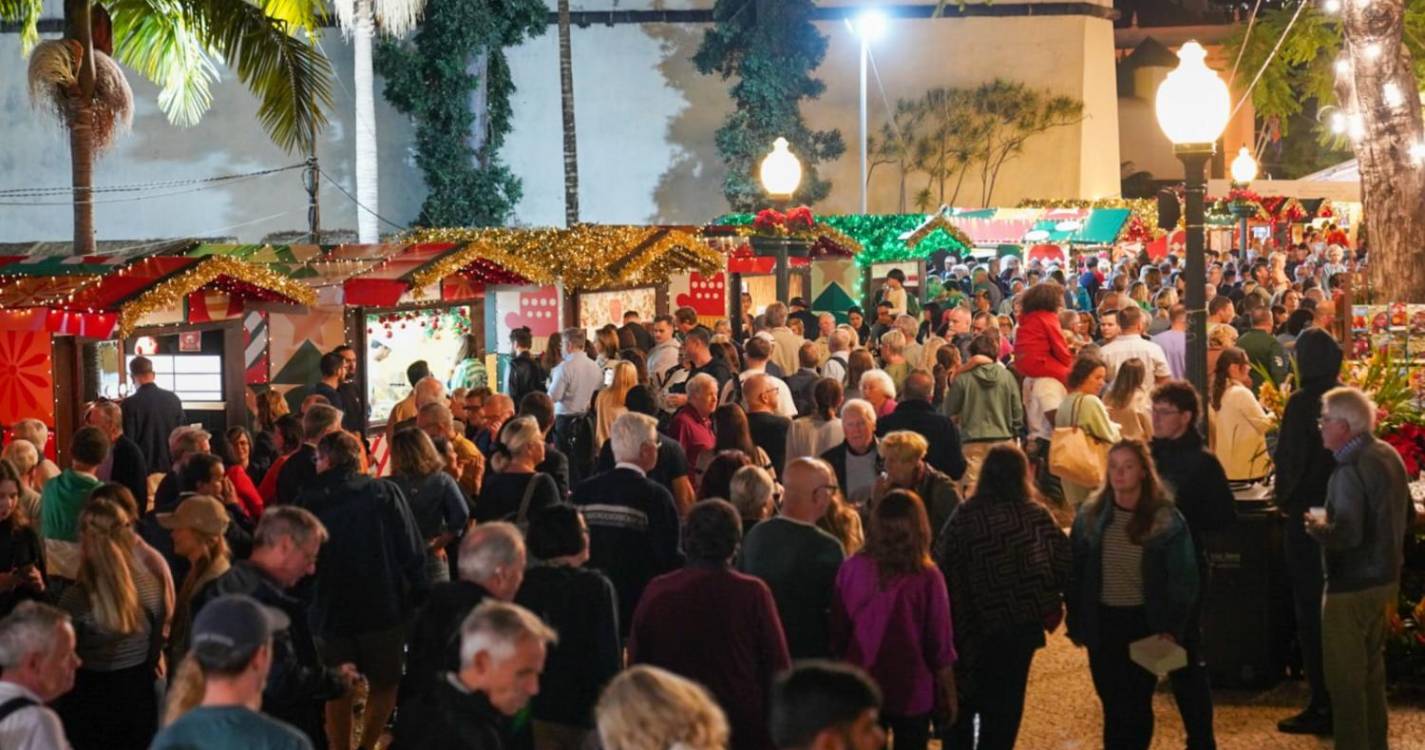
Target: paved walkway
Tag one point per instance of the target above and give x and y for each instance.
(1062, 712)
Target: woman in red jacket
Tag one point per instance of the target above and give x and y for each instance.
(1039, 347)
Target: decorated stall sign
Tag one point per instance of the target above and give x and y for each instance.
(540, 308)
(26, 377)
(598, 309)
(835, 287)
(705, 293)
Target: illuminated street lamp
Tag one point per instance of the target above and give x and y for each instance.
(781, 174)
(1244, 170)
(1193, 107)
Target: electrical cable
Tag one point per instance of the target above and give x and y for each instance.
(1248, 93)
(358, 203)
(144, 186)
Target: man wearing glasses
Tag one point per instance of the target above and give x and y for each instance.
(797, 560)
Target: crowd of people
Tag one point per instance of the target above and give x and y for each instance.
(805, 534)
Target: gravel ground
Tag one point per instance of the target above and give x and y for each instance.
(1062, 711)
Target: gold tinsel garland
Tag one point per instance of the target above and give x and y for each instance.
(582, 256)
(170, 292)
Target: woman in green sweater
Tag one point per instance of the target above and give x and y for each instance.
(1083, 409)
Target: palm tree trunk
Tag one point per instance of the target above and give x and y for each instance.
(78, 26)
(1389, 148)
(367, 190)
(566, 96)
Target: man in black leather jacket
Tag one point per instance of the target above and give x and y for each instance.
(525, 374)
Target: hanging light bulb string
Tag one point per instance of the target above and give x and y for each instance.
(1247, 95)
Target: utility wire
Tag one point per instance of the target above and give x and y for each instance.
(1251, 21)
(358, 203)
(143, 186)
(1248, 93)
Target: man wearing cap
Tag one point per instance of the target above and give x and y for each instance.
(286, 545)
(232, 645)
(502, 650)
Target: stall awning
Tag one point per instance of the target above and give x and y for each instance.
(97, 295)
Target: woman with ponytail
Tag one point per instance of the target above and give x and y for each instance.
(516, 490)
(118, 610)
(438, 505)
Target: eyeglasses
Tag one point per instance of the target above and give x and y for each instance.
(1321, 422)
(1168, 412)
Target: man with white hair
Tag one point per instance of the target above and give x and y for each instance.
(691, 425)
(893, 358)
(491, 567)
(825, 326)
(857, 461)
(37, 664)
(36, 433)
(427, 390)
(633, 523)
(838, 347)
(502, 652)
(125, 463)
(912, 351)
(1362, 535)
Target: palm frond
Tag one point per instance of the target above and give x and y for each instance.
(297, 14)
(53, 82)
(289, 76)
(155, 39)
(27, 14)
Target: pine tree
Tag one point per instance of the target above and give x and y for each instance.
(771, 47)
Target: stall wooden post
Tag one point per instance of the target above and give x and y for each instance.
(356, 326)
(867, 293)
(924, 293)
(735, 300)
(66, 374)
(660, 300)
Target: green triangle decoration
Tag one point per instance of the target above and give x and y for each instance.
(835, 300)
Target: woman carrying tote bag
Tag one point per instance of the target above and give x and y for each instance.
(1081, 425)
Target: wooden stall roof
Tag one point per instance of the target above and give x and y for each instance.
(97, 295)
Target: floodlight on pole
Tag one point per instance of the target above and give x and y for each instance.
(868, 25)
(1193, 106)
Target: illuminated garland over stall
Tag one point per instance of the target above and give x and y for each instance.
(1144, 210)
(234, 277)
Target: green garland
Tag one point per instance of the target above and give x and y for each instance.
(771, 47)
(429, 79)
(879, 235)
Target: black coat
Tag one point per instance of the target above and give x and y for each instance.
(633, 532)
(837, 458)
(297, 473)
(526, 377)
(433, 647)
(130, 468)
(298, 686)
(769, 432)
(372, 567)
(450, 718)
(1199, 486)
(937, 429)
(1303, 464)
(150, 416)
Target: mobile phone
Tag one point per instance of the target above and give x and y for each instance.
(608, 378)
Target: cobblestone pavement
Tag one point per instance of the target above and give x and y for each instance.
(1062, 712)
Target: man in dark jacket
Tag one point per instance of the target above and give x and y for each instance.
(804, 379)
(1202, 495)
(769, 431)
(492, 563)
(126, 463)
(357, 412)
(525, 374)
(150, 415)
(914, 412)
(299, 470)
(1304, 469)
(642, 339)
(633, 524)
(298, 686)
(469, 707)
(370, 573)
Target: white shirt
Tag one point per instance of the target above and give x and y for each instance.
(1132, 346)
(835, 367)
(34, 727)
(573, 384)
(662, 358)
(1042, 395)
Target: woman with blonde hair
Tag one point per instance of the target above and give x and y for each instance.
(1220, 336)
(647, 708)
(197, 526)
(1127, 401)
(35, 431)
(23, 457)
(515, 489)
(117, 606)
(610, 403)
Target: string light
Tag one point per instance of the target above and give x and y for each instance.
(1331, 6)
(1417, 152)
(1392, 94)
(1338, 123)
(241, 278)
(1343, 66)
(1356, 127)
(1371, 51)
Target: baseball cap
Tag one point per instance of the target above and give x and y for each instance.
(232, 627)
(198, 512)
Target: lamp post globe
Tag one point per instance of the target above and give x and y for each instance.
(781, 171)
(1244, 167)
(1193, 106)
(1193, 103)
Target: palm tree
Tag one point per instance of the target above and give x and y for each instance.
(359, 18)
(173, 43)
(566, 98)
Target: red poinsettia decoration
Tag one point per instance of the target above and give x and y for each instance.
(1409, 441)
(770, 220)
(799, 219)
(1244, 195)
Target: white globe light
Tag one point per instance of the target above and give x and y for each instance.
(870, 25)
(1244, 167)
(1331, 6)
(781, 171)
(1193, 103)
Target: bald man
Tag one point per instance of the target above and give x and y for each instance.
(769, 429)
(797, 560)
(435, 420)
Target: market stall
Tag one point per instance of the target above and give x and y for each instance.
(609, 270)
(71, 325)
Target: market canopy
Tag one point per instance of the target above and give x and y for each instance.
(98, 295)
